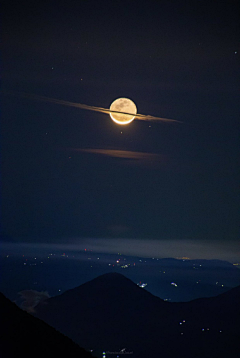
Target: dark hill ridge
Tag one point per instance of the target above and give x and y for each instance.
(106, 308)
(24, 334)
(111, 312)
(110, 286)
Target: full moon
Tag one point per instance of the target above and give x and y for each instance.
(126, 106)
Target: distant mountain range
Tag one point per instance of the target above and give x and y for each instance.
(50, 269)
(113, 314)
(23, 334)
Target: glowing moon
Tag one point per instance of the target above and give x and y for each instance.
(126, 106)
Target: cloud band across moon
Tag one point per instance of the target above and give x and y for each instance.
(141, 117)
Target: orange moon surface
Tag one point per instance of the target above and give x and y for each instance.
(128, 109)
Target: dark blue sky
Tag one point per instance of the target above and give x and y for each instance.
(174, 60)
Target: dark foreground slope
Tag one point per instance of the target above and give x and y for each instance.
(23, 334)
(110, 313)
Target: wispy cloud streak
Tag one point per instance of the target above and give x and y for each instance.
(125, 154)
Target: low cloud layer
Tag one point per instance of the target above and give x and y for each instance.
(194, 249)
(31, 299)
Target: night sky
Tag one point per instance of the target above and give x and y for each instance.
(69, 173)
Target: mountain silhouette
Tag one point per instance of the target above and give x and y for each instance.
(111, 312)
(21, 333)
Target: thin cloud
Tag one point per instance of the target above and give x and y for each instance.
(138, 157)
(126, 154)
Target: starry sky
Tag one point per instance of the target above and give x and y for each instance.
(69, 173)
